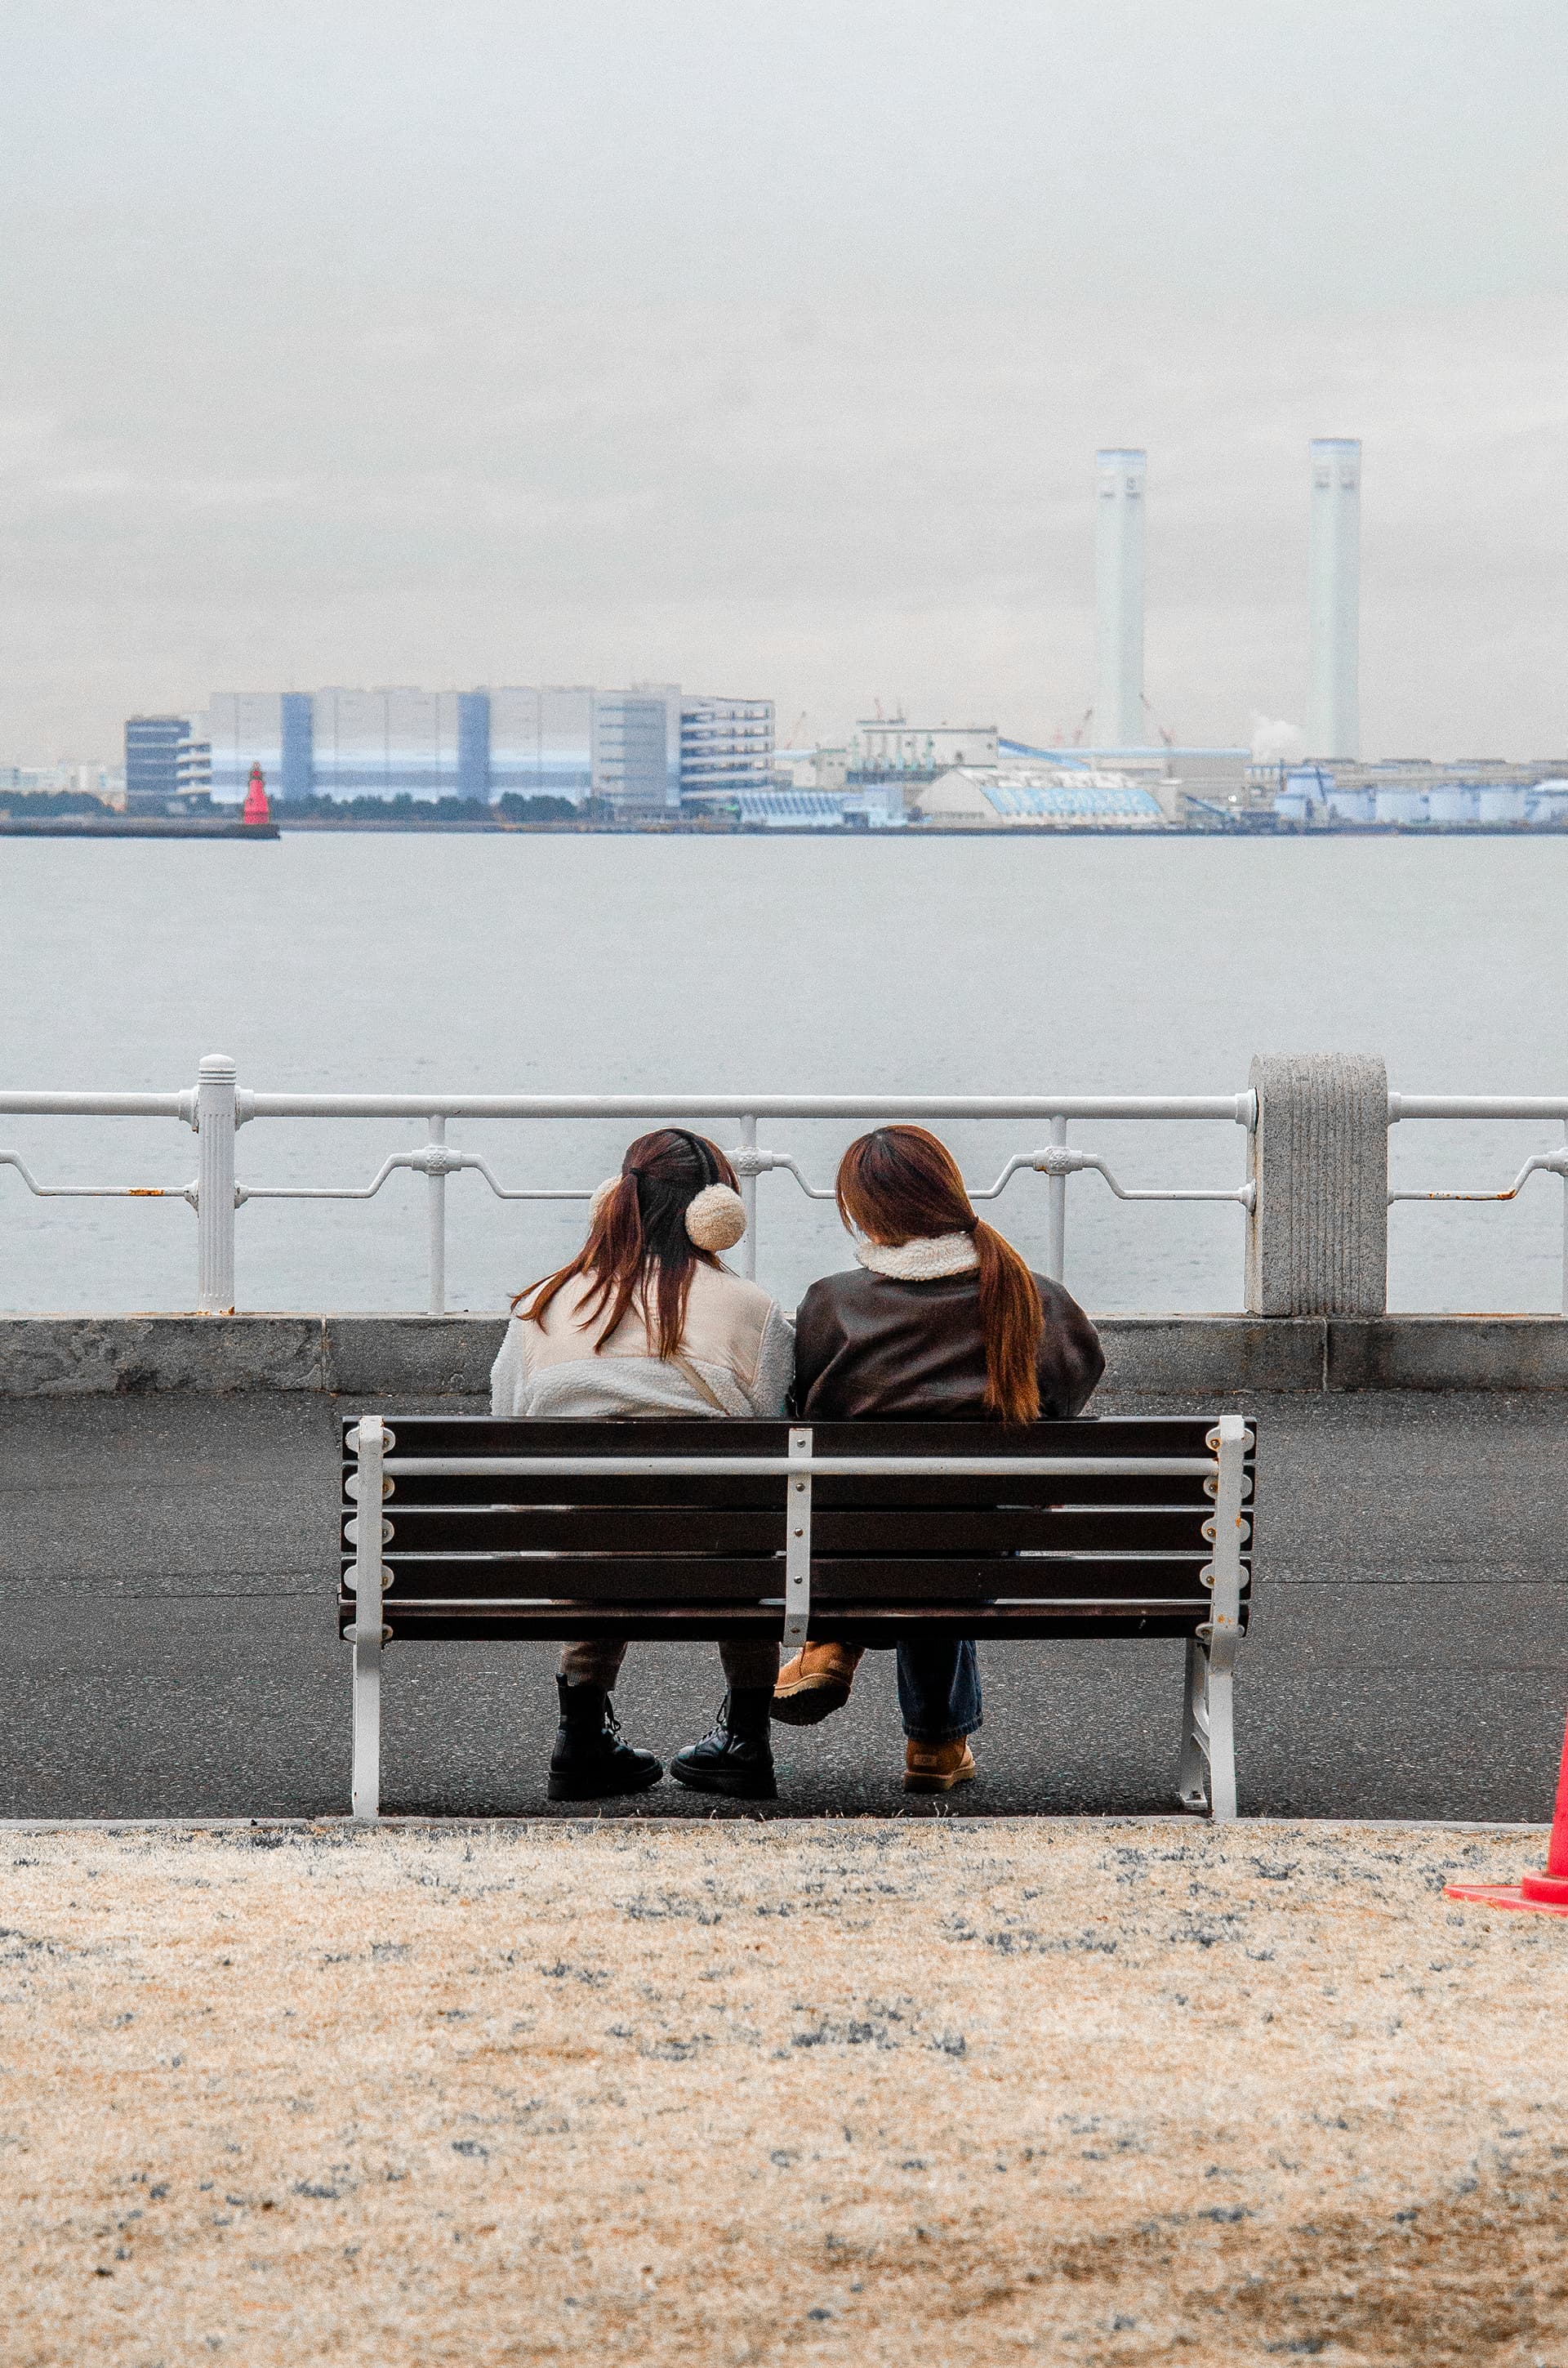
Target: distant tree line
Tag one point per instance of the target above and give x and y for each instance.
(21, 804)
(403, 808)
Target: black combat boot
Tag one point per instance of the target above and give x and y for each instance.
(589, 1761)
(737, 1757)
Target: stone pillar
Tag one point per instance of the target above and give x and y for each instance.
(1317, 1237)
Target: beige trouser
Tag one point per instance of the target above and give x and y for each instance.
(595, 1661)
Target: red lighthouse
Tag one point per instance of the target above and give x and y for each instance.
(255, 806)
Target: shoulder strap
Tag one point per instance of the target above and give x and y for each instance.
(682, 1364)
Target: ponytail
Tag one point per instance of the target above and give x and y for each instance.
(901, 1184)
(1010, 1317)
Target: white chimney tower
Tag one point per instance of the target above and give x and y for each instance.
(1118, 585)
(1334, 598)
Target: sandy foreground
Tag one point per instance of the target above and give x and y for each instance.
(956, 2091)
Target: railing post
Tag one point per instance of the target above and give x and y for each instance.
(1056, 1212)
(215, 1096)
(748, 1199)
(1317, 1234)
(435, 1185)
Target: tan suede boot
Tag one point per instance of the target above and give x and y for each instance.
(937, 1766)
(816, 1683)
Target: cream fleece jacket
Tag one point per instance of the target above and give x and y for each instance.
(735, 1336)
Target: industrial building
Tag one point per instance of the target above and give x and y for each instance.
(726, 748)
(377, 742)
(1038, 797)
(168, 763)
(642, 751)
(878, 807)
(1183, 788)
(892, 749)
(273, 729)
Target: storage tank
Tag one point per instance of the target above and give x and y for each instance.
(1293, 806)
(1350, 805)
(1400, 805)
(1501, 802)
(1452, 802)
(1548, 804)
(1309, 783)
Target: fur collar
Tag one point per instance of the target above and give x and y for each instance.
(921, 1261)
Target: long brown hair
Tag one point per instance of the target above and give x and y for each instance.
(638, 1237)
(901, 1184)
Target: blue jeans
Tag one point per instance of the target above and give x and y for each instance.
(939, 1688)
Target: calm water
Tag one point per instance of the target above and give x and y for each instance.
(576, 964)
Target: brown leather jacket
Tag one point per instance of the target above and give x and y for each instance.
(870, 1343)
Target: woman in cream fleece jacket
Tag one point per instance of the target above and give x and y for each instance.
(735, 1347)
(645, 1321)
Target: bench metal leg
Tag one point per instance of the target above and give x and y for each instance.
(370, 1440)
(1207, 1776)
(1208, 1734)
(367, 1793)
(1222, 1746)
(1192, 1782)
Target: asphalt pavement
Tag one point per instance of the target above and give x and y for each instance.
(167, 1577)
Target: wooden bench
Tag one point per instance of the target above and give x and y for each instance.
(869, 1531)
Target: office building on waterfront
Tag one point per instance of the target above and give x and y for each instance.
(641, 751)
(726, 746)
(621, 745)
(273, 729)
(167, 763)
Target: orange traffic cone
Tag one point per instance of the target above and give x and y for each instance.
(255, 808)
(1547, 1892)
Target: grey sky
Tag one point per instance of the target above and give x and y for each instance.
(766, 348)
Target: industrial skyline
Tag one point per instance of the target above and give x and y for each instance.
(318, 373)
(643, 749)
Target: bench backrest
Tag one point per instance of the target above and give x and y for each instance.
(499, 1544)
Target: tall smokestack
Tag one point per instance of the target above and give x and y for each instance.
(1334, 598)
(1118, 585)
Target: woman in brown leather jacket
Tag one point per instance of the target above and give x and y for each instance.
(944, 1320)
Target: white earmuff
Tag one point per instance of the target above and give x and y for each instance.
(601, 1194)
(716, 1219)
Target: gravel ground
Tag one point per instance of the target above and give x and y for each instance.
(1125, 2091)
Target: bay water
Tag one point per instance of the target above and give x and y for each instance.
(357, 963)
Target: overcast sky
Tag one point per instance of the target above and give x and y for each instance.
(765, 346)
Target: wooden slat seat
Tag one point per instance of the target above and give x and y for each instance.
(485, 1535)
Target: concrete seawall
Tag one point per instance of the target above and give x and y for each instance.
(77, 1356)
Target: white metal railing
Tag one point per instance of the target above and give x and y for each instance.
(217, 1107)
(1544, 1108)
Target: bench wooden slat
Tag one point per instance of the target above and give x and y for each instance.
(763, 1493)
(701, 1530)
(521, 1623)
(681, 1579)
